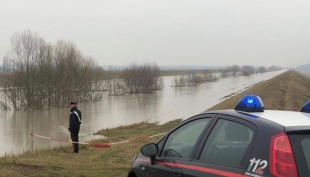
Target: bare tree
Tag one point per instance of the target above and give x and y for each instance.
(141, 78)
(46, 76)
(247, 70)
(210, 76)
(273, 68)
(262, 69)
(235, 69)
(224, 72)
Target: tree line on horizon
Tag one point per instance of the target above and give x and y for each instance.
(195, 77)
(305, 68)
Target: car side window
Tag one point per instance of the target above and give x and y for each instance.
(181, 142)
(159, 144)
(227, 143)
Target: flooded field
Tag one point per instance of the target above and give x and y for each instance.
(165, 105)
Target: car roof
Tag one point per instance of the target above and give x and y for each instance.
(285, 118)
(251, 106)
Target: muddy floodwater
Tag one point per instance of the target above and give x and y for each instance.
(165, 105)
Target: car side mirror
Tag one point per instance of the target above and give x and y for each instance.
(150, 150)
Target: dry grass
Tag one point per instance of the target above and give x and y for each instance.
(105, 162)
(288, 91)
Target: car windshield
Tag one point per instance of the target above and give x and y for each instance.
(301, 148)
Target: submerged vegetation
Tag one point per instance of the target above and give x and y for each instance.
(134, 78)
(43, 75)
(46, 75)
(195, 77)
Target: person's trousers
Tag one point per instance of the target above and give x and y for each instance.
(75, 138)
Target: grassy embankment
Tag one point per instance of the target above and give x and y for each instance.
(288, 91)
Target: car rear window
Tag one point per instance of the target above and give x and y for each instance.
(301, 148)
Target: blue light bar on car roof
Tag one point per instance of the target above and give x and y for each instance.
(306, 107)
(250, 103)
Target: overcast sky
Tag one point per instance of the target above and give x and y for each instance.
(169, 32)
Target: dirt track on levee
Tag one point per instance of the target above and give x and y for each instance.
(287, 91)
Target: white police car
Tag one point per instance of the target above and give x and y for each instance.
(248, 141)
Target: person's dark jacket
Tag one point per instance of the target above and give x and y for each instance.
(74, 123)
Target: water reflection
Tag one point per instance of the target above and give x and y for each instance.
(168, 104)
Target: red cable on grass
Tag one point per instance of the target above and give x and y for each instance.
(104, 145)
(56, 139)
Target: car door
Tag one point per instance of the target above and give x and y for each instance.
(176, 153)
(224, 150)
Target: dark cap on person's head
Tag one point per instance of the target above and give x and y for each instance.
(73, 102)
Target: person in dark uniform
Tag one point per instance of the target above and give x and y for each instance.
(74, 125)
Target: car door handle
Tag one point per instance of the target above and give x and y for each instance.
(177, 174)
